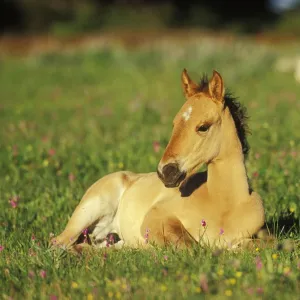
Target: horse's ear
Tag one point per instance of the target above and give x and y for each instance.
(190, 88)
(216, 87)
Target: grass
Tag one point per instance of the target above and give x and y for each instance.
(67, 119)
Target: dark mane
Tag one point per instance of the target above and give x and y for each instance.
(238, 113)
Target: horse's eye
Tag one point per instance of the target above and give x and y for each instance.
(203, 128)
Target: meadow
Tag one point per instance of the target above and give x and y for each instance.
(69, 118)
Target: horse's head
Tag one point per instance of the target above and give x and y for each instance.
(196, 136)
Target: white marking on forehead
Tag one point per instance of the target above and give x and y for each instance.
(187, 114)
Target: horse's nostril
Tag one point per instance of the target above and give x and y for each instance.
(170, 170)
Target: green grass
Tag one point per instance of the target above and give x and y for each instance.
(83, 115)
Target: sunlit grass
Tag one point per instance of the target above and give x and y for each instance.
(68, 119)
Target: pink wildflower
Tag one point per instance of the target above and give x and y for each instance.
(166, 257)
(33, 237)
(204, 283)
(283, 154)
(258, 263)
(293, 153)
(110, 240)
(146, 236)
(31, 274)
(259, 290)
(51, 152)
(85, 234)
(71, 177)
(43, 274)
(156, 146)
(13, 203)
(15, 150)
(1, 248)
(45, 139)
(221, 231)
(255, 174)
(53, 297)
(203, 223)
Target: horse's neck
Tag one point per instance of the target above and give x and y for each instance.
(227, 179)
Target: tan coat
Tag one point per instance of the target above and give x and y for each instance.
(176, 205)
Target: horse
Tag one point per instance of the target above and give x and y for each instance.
(177, 205)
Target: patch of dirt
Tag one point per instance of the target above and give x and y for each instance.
(14, 45)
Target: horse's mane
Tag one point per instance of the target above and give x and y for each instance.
(238, 113)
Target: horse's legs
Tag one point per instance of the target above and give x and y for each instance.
(97, 210)
(163, 228)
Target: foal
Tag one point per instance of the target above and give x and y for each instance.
(176, 205)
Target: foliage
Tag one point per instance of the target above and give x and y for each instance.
(68, 119)
(290, 23)
(63, 17)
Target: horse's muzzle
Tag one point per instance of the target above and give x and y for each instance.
(171, 176)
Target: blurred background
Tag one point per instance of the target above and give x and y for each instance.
(66, 17)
